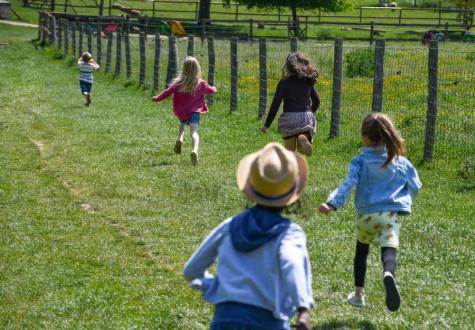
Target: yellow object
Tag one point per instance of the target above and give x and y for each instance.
(177, 29)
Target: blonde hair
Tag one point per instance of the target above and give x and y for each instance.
(189, 76)
(86, 57)
(379, 129)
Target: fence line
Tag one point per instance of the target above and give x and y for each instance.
(395, 81)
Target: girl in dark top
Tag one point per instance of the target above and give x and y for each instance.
(297, 123)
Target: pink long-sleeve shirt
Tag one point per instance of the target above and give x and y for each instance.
(184, 104)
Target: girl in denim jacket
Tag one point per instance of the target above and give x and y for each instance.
(386, 184)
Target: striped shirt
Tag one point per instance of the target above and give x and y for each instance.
(86, 70)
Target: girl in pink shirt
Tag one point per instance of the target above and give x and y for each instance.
(188, 91)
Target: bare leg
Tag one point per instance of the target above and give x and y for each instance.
(179, 140)
(181, 132)
(195, 141)
(290, 143)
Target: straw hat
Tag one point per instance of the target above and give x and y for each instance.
(272, 176)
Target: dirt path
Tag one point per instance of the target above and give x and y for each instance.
(18, 23)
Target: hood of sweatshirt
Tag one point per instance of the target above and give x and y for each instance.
(256, 226)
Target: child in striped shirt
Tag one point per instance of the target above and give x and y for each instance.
(86, 66)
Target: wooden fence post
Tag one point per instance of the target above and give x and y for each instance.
(172, 59)
(89, 38)
(371, 33)
(41, 26)
(156, 66)
(118, 51)
(128, 60)
(52, 29)
(337, 85)
(80, 39)
(66, 38)
(251, 26)
(432, 101)
(234, 75)
(60, 33)
(211, 65)
(99, 44)
(293, 44)
(142, 59)
(73, 40)
(108, 52)
(378, 80)
(203, 30)
(191, 45)
(262, 77)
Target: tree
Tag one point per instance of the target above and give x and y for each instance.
(204, 11)
(325, 5)
(466, 11)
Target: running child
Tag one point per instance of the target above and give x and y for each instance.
(86, 66)
(386, 184)
(188, 91)
(297, 124)
(263, 269)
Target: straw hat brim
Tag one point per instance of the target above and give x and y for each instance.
(244, 183)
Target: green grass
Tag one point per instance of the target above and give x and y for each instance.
(119, 266)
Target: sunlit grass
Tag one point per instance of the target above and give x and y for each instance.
(117, 265)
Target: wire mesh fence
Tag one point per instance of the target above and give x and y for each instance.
(405, 80)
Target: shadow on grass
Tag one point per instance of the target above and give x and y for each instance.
(349, 324)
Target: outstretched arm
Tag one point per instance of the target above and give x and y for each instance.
(166, 93)
(340, 195)
(208, 89)
(278, 96)
(205, 254)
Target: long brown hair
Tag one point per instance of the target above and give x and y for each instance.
(189, 77)
(297, 64)
(379, 129)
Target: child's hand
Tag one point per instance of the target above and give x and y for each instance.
(303, 319)
(326, 208)
(264, 129)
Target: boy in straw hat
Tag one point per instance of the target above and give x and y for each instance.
(263, 269)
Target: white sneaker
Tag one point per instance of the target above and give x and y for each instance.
(194, 158)
(356, 300)
(393, 299)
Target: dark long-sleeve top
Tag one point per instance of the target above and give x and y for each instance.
(296, 94)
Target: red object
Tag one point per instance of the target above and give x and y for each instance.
(110, 28)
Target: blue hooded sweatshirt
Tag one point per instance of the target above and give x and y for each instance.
(262, 260)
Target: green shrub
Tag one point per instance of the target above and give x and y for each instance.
(324, 34)
(360, 62)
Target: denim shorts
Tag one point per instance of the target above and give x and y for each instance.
(194, 119)
(85, 86)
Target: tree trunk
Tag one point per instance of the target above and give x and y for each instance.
(295, 22)
(204, 11)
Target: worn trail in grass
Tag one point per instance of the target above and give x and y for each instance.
(98, 215)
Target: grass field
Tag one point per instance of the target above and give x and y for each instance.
(98, 216)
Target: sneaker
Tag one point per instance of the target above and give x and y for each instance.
(194, 158)
(177, 147)
(393, 299)
(356, 300)
(305, 144)
(88, 99)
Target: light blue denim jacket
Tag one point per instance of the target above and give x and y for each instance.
(275, 276)
(378, 188)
